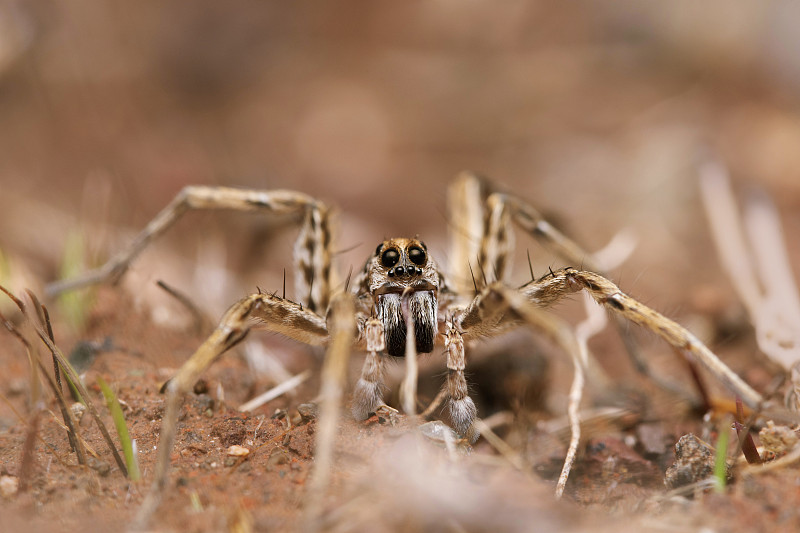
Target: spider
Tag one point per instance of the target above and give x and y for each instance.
(401, 303)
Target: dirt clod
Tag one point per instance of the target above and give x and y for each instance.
(99, 466)
(308, 412)
(231, 431)
(694, 461)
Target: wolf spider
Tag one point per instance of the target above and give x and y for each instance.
(401, 294)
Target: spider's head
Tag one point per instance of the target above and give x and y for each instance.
(402, 265)
(404, 282)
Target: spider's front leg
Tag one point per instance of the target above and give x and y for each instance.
(257, 311)
(460, 406)
(485, 316)
(312, 254)
(496, 309)
(368, 392)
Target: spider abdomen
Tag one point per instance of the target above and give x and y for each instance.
(422, 308)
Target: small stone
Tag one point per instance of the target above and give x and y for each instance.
(777, 440)
(99, 466)
(694, 461)
(438, 431)
(78, 410)
(9, 485)
(387, 415)
(238, 451)
(308, 411)
(204, 403)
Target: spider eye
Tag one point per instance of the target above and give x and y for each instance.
(417, 255)
(378, 249)
(390, 257)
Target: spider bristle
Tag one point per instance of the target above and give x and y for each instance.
(347, 282)
(483, 272)
(530, 266)
(471, 273)
(348, 249)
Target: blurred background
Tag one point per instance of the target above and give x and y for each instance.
(597, 112)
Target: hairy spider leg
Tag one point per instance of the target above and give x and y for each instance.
(312, 254)
(369, 389)
(488, 314)
(257, 311)
(530, 220)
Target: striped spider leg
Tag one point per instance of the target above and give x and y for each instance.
(306, 324)
(498, 308)
(312, 254)
(481, 236)
(481, 230)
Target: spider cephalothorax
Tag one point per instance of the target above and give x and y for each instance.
(403, 282)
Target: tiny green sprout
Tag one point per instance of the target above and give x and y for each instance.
(122, 429)
(720, 464)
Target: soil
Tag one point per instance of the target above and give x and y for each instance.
(595, 113)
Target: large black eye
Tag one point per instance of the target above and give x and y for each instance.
(390, 257)
(417, 255)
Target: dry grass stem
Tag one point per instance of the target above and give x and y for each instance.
(62, 461)
(408, 390)
(594, 323)
(200, 321)
(508, 453)
(437, 401)
(74, 378)
(343, 326)
(39, 369)
(756, 263)
(276, 391)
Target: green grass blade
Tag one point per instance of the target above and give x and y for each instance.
(720, 464)
(122, 429)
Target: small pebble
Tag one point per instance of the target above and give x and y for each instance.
(78, 410)
(99, 466)
(308, 411)
(777, 440)
(9, 485)
(238, 451)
